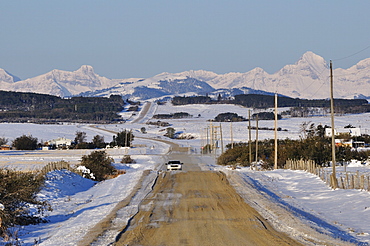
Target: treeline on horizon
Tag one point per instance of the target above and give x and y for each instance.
(42, 108)
(268, 101)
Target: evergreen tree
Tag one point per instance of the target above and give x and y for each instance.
(123, 139)
(25, 143)
(98, 141)
(313, 145)
(170, 132)
(3, 141)
(80, 137)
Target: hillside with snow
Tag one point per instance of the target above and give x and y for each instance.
(59, 83)
(307, 78)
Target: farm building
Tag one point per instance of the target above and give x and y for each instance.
(61, 142)
(353, 132)
(6, 147)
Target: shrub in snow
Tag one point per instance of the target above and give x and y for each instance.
(170, 132)
(85, 172)
(126, 159)
(18, 195)
(99, 163)
(185, 136)
(226, 117)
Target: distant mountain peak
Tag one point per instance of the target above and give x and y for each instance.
(311, 58)
(309, 54)
(363, 64)
(258, 70)
(7, 77)
(86, 69)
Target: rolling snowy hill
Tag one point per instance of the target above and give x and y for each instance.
(307, 78)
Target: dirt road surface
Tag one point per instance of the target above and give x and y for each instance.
(198, 208)
(143, 112)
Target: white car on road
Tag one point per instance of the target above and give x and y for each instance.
(174, 165)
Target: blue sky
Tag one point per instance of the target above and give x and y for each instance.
(137, 38)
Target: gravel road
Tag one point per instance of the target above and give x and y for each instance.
(198, 208)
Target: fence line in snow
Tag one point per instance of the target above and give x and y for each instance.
(346, 180)
(56, 166)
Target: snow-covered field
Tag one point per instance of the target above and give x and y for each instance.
(79, 204)
(342, 214)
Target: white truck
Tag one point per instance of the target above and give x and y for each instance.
(174, 165)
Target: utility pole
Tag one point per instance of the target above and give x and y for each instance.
(256, 138)
(276, 141)
(201, 140)
(250, 137)
(216, 137)
(334, 181)
(206, 147)
(231, 134)
(207, 132)
(211, 137)
(131, 138)
(222, 141)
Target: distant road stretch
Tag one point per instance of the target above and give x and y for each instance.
(143, 112)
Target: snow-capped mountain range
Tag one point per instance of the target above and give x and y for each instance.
(307, 78)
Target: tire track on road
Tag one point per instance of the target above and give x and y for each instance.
(198, 208)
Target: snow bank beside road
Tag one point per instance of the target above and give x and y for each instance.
(332, 214)
(76, 209)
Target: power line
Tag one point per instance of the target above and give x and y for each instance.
(314, 80)
(319, 74)
(344, 74)
(347, 73)
(322, 84)
(339, 59)
(308, 86)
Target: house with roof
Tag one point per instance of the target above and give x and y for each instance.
(353, 132)
(61, 143)
(5, 147)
